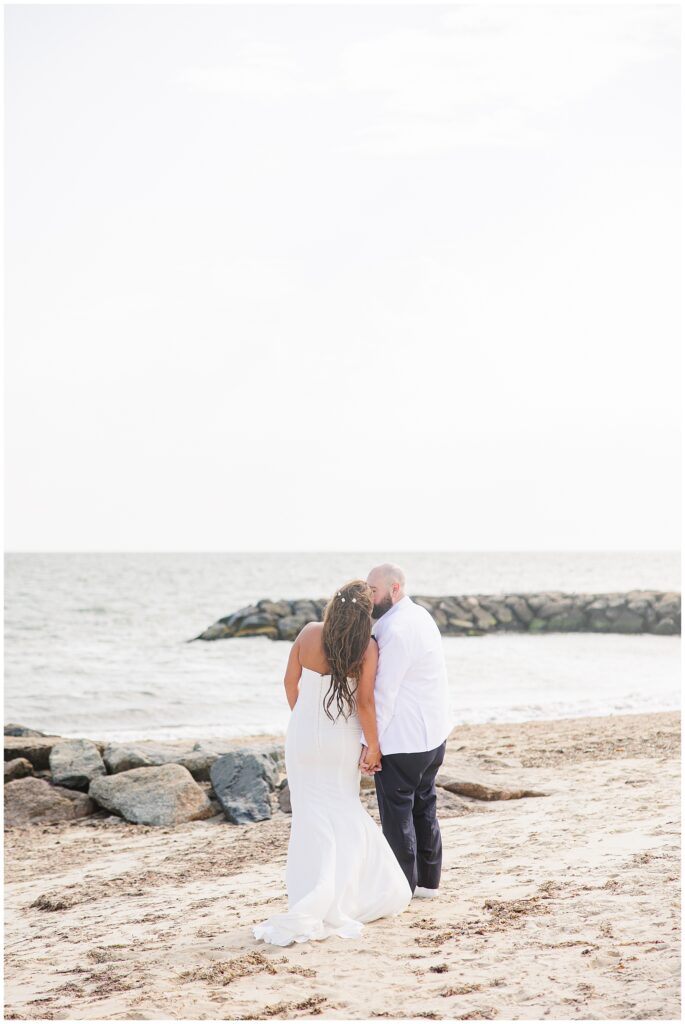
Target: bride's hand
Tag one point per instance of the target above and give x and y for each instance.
(363, 765)
(372, 759)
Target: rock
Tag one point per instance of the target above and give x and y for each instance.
(451, 607)
(667, 606)
(502, 614)
(32, 800)
(462, 624)
(598, 621)
(218, 631)
(12, 729)
(242, 780)
(242, 613)
(289, 626)
(258, 625)
(35, 749)
(569, 621)
(440, 618)
(627, 621)
(483, 618)
(666, 627)
(198, 763)
(550, 608)
(519, 608)
(164, 795)
(277, 755)
(306, 607)
(278, 608)
(228, 625)
(124, 757)
(284, 797)
(478, 791)
(17, 769)
(75, 763)
(642, 595)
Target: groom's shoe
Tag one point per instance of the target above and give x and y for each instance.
(424, 893)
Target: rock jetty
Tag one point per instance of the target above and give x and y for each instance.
(637, 611)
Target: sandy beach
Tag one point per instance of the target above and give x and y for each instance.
(557, 906)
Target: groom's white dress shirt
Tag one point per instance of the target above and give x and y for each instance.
(411, 695)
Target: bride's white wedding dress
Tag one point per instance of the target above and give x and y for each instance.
(341, 871)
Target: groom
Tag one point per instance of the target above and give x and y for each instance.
(412, 714)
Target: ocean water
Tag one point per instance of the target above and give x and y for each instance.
(95, 644)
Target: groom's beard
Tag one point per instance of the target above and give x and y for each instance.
(382, 607)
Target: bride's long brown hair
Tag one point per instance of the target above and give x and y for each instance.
(346, 635)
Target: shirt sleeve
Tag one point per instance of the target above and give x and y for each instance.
(393, 663)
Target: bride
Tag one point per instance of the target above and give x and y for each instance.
(341, 871)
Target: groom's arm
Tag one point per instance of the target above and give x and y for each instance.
(394, 661)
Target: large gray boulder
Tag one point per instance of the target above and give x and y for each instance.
(164, 795)
(75, 763)
(242, 781)
(32, 800)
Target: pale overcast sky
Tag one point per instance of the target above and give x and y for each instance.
(342, 277)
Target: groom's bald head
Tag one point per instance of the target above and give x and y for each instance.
(387, 583)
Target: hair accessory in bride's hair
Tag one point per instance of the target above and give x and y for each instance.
(354, 599)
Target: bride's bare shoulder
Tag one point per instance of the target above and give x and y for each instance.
(371, 652)
(311, 628)
(310, 634)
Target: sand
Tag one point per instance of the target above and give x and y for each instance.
(564, 906)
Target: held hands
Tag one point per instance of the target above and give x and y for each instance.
(370, 760)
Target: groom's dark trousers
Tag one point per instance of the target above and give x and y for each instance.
(407, 800)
